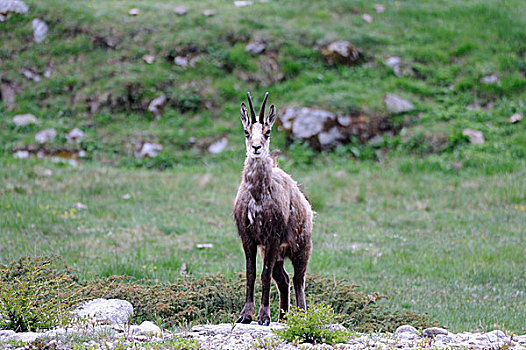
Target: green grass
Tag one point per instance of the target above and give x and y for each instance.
(435, 222)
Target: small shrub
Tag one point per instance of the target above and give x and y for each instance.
(35, 294)
(312, 326)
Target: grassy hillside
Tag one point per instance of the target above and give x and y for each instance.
(424, 216)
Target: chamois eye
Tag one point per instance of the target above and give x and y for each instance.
(267, 133)
(247, 134)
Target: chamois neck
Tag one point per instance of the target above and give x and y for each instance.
(257, 175)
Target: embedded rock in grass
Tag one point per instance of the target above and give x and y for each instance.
(209, 13)
(367, 18)
(181, 61)
(490, 79)
(180, 11)
(517, 117)
(113, 311)
(24, 119)
(145, 328)
(45, 135)
(475, 137)
(434, 331)
(39, 30)
(11, 6)
(75, 135)
(394, 63)
(134, 12)
(218, 146)
(379, 8)
(341, 52)
(147, 150)
(255, 47)
(8, 95)
(157, 106)
(6, 333)
(148, 58)
(30, 75)
(396, 104)
(25, 337)
(323, 129)
(405, 329)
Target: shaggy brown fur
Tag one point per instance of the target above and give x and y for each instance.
(273, 214)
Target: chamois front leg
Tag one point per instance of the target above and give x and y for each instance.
(266, 278)
(249, 310)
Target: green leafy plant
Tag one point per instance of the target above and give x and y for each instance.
(35, 294)
(315, 325)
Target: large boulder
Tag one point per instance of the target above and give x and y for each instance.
(323, 129)
(341, 52)
(112, 311)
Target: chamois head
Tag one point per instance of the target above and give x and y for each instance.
(257, 132)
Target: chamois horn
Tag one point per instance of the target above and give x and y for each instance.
(262, 111)
(252, 112)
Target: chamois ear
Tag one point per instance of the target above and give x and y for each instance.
(271, 116)
(244, 116)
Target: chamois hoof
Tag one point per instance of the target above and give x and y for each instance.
(264, 322)
(244, 320)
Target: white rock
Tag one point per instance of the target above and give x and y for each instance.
(181, 61)
(156, 106)
(24, 119)
(218, 146)
(379, 8)
(331, 137)
(433, 331)
(242, 3)
(255, 47)
(394, 62)
(134, 12)
(30, 75)
(75, 135)
(80, 206)
(11, 6)
(396, 104)
(475, 137)
(204, 246)
(515, 118)
(45, 135)
(309, 122)
(6, 333)
(147, 150)
(148, 58)
(39, 30)
(367, 18)
(21, 154)
(126, 196)
(405, 329)
(180, 11)
(106, 310)
(149, 328)
(209, 13)
(489, 79)
(25, 336)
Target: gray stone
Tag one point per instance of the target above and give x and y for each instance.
(209, 13)
(180, 10)
(242, 3)
(45, 135)
(24, 119)
(255, 47)
(309, 122)
(25, 336)
(405, 329)
(146, 328)
(30, 75)
(475, 137)
(6, 333)
(134, 12)
(394, 63)
(106, 310)
(341, 52)
(75, 135)
(331, 137)
(434, 331)
(379, 8)
(515, 118)
(21, 154)
(396, 104)
(11, 6)
(181, 61)
(39, 30)
(148, 58)
(147, 150)
(489, 79)
(367, 18)
(218, 146)
(157, 105)
(8, 95)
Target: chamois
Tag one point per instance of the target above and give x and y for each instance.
(272, 214)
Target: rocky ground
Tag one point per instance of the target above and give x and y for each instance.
(103, 324)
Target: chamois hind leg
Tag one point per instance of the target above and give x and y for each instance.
(266, 276)
(282, 280)
(299, 263)
(249, 310)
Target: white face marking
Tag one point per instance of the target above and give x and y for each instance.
(257, 143)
